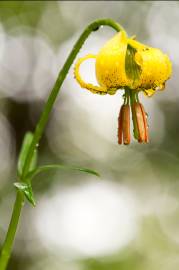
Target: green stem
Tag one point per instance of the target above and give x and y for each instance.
(127, 96)
(8, 243)
(133, 99)
(62, 75)
(6, 248)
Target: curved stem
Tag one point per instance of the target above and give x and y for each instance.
(7, 246)
(61, 77)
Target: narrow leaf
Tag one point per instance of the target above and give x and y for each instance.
(26, 188)
(24, 151)
(133, 70)
(61, 167)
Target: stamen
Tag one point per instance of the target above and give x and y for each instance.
(120, 125)
(141, 123)
(124, 125)
(145, 123)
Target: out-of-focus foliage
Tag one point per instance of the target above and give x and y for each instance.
(127, 219)
(20, 13)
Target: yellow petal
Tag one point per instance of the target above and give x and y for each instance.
(149, 92)
(137, 45)
(156, 67)
(110, 62)
(93, 88)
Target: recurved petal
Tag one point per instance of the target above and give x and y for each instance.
(156, 68)
(110, 62)
(136, 44)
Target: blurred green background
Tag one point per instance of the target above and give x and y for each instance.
(127, 219)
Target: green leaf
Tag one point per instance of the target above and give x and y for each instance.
(61, 167)
(133, 70)
(26, 188)
(23, 154)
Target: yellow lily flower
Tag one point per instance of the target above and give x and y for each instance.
(155, 67)
(124, 63)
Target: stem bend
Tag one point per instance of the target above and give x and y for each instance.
(8, 243)
(61, 77)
